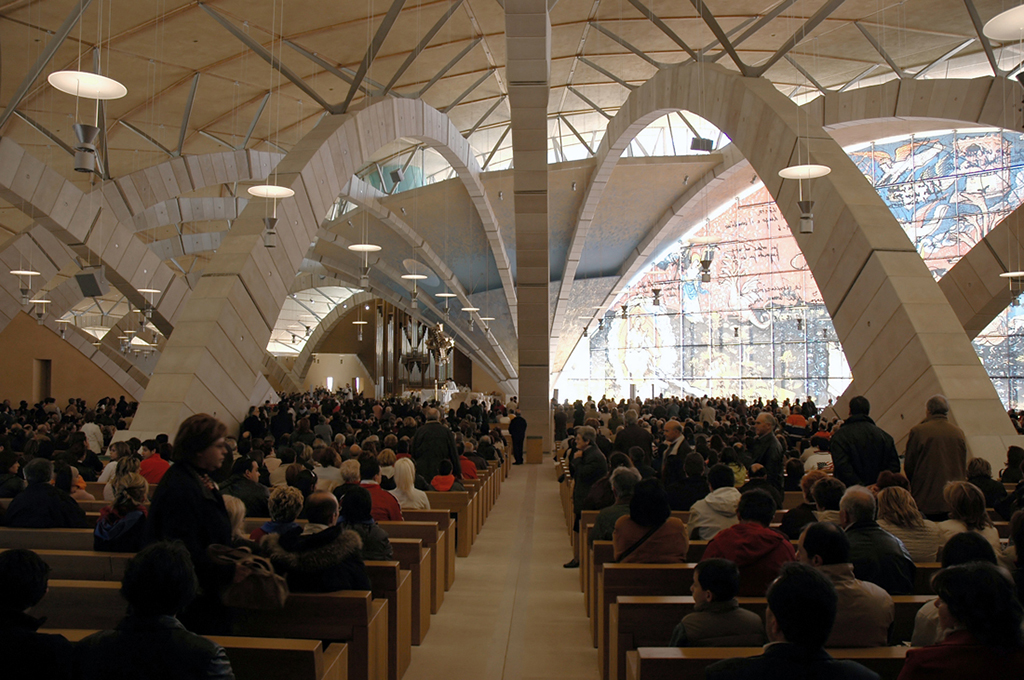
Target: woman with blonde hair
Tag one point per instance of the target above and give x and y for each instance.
(122, 525)
(967, 512)
(898, 514)
(126, 465)
(409, 497)
(236, 513)
(285, 506)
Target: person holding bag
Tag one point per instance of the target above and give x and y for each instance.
(649, 534)
(188, 507)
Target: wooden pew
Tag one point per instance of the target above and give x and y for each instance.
(348, 616)
(257, 658)
(84, 565)
(669, 663)
(624, 580)
(394, 585)
(415, 559)
(647, 621)
(46, 539)
(443, 562)
(430, 537)
(458, 504)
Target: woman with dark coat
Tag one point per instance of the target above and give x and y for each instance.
(188, 507)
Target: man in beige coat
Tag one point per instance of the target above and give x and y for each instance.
(936, 454)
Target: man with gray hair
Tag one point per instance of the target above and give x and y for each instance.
(936, 454)
(877, 556)
(42, 505)
(633, 434)
(766, 451)
(623, 480)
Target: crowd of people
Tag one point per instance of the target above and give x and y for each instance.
(869, 516)
(340, 464)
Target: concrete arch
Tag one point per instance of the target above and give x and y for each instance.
(368, 198)
(380, 269)
(212, 362)
(900, 107)
(900, 335)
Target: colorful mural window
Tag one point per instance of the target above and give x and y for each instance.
(759, 327)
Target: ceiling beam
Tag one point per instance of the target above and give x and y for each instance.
(187, 114)
(588, 102)
(861, 76)
(653, 18)
(497, 146)
(447, 67)
(255, 120)
(806, 74)
(486, 115)
(578, 135)
(985, 44)
(607, 74)
(335, 71)
(438, 25)
(769, 16)
(266, 56)
(371, 53)
(945, 57)
(823, 13)
(458, 100)
(39, 127)
(712, 23)
(878, 48)
(628, 45)
(51, 48)
(149, 139)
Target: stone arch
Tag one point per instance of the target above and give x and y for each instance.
(899, 333)
(366, 197)
(975, 291)
(212, 362)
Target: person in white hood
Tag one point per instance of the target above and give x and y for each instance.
(717, 510)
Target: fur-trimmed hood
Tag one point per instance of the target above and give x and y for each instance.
(309, 552)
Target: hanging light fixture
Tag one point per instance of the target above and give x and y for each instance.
(63, 324)
(656, 302)
(415, 291)
(707, 255)
(82, 84)
(25, 283)
(487, 323)
(40, 304)
(1008, 27)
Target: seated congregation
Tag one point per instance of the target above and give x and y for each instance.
(795, 529)
(318, 505)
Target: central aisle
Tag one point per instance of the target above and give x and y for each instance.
(514, 612)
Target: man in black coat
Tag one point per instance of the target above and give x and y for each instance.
(766, 451)
(432, 443)
(633, 434)
(877, 555)
(801, 611)
(860, 449)
(517, 429)
(244, 484)
(42, 505)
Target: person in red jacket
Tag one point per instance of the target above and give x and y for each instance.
(385, 506)
(153, 466)
(978, 606)
(757, 550)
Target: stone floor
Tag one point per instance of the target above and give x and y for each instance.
(513, 613)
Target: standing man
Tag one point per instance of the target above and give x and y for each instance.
(673, 438)
(517, 429)
(588, 466)
(936, 454)
(860, 449)
(633, 434)
(432, 443)
(767, 451)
